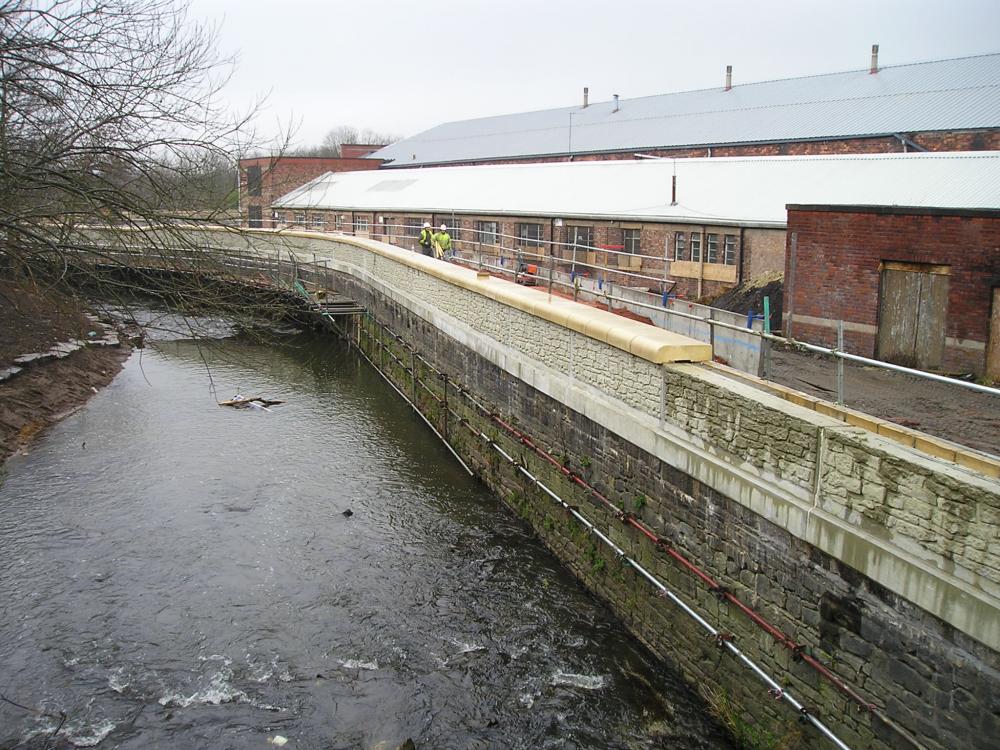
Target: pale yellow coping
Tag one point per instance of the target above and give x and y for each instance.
(641, 339)
(928, 444)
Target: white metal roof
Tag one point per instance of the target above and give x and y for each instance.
(955, 94)
(746, 190)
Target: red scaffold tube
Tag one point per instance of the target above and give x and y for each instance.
(713, 585)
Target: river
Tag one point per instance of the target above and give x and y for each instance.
(178, 575)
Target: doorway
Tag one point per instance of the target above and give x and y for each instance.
(912, 314)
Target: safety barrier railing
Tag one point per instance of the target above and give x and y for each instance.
(511, 257)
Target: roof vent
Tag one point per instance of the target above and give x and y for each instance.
(729, 77)
(616, 103)
(874, 68)
(586, 97)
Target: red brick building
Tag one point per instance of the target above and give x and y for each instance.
(916, 286)
(266, 178)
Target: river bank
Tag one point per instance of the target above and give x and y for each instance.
(33, 320)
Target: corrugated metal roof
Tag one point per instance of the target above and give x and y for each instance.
(955, 94)
(746, 190)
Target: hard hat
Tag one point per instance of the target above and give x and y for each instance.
(427, 225)
(444, 228)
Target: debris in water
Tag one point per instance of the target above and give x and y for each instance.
(277, 740)
(347, 513)
(254, 402)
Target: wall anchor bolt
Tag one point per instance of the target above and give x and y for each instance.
(721, 638)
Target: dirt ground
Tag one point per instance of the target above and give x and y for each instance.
(32, 320)
(948, 411)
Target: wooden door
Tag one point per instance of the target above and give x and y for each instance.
(912, 316)
(993, 347)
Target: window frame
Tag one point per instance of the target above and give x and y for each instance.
(488, 236)
(412, 227)
(632, 243)
(573, 229)
(729, 247)
(680, 246)
(711, 247)
(523, 237)
(362, 224)
(255, 178)
(695, 247)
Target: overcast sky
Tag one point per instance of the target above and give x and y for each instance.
(403, 66)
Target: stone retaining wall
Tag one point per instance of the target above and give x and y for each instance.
(880, 559)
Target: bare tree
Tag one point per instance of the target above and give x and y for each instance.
(110, 117)
(338, 136)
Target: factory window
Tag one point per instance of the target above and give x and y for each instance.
(486, 232)
(631, 240)
(529, 235)
(279, 218)
(729, 251)
(580, 236)
(253, 181)
(318, 221)
(680, 246)
(254, 215)
(453, 224)
(360, 223)
(711, 248)
(411, 227)
(696, 247)
(300, 217)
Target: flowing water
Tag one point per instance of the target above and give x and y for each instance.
(178, 575)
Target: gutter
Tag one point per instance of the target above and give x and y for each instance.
(648, 218)
(520, 158)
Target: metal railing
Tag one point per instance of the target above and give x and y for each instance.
(526, 261)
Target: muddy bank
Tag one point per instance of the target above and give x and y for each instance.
(43, 394)
(33, 319)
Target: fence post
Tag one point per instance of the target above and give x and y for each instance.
(789, 298)
(840, 363)
(552, 261)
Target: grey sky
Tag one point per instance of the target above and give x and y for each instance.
(403, 67)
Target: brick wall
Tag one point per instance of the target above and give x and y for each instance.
(838, 273)
(282, 174)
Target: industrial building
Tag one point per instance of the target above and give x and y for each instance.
(916, 286)
(701, 225)
(942, 105)
(265, 178)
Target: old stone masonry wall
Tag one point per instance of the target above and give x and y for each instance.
(876, 561)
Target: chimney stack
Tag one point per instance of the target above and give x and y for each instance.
(874, 59)
(586, 97)
(729, 77)
(616, 103)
